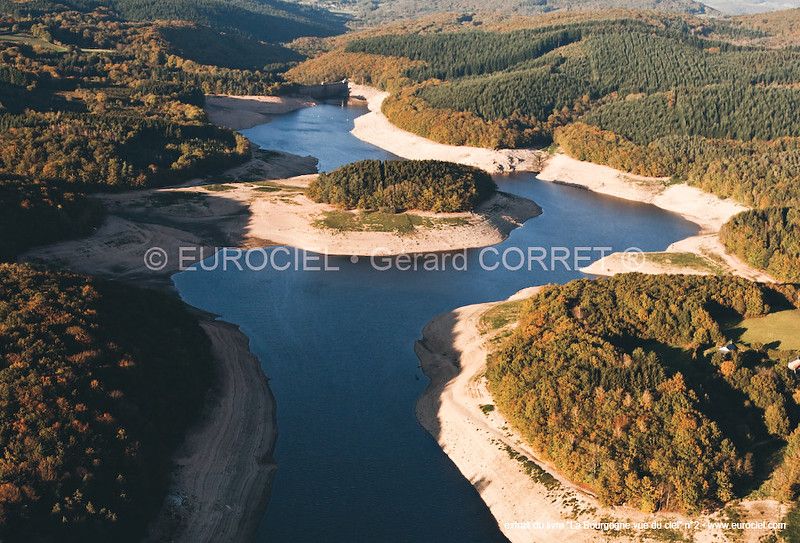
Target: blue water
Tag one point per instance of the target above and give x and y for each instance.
(322, 131)
(353, 463)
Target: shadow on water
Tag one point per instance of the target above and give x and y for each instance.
(353, 462)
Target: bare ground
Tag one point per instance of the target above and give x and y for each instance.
(240, 112)
(376, 129)
(224, 469)
(531, 501)
(707, 211)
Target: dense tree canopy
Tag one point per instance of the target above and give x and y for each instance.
(514, 88)
(398, 185)
(206, 46)
(97, 383)
(90, 102)
(617, 382)
(266, 20)
(732, 112)
(758, 173)
(768, 239)
(37, 213)
(710, 102)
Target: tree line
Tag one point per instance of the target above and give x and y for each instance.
(730, 112)
(768, 239)
(758, 173)
(543, 78)
(91, 102)
(271, 21)
(707, 103)
(99, 381)
(35, 213)
(400, 185)
(619, 384)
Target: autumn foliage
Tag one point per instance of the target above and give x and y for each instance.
(768, 239)
(619, 384)
(97, 383)
(400, 185)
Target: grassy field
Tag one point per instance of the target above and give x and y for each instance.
(218, 187)
(379, 221)
(782, 327)
(690, 261)
(27, 39)
(271, 186)
(499, 316)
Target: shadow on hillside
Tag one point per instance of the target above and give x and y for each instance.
(438, 360)
(147, 236)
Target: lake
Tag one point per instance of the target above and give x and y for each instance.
(353, 462)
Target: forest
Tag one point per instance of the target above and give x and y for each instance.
(90, 102)
(400, 185)
(206, 46)
(100, 380)
(381, 12)
(738, 113)
(265, 20)
(709, 102)
(768, 239)
(97, 385)
(36, 212)
(619, 384)
(549, 76)
(756, 173)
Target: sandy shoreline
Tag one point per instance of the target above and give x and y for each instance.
(453, 355)
(221, 484)
(240, 112)
(223, 469)
(260, 214)
(219, 492)
(706, 253)
(223, 490)
(707, 211)
(376, 129)
(290, 218)
(528, 507)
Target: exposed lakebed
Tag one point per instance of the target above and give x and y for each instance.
(353, 462)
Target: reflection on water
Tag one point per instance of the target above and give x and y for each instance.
(322, 131)
(353, 463)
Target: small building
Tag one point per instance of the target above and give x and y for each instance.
(794, 365)
(728, 348)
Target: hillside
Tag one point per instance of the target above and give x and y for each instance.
(267, 20)
(99, 383)
(768, 239)
(781, 27)
(620, 385)
(736, 7)
(205, 45)
(91, 103)
(707, 101)
(371, 12)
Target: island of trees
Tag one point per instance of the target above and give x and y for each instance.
(99, 380)
(708, 101)
(400, 185)
(620, 384)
